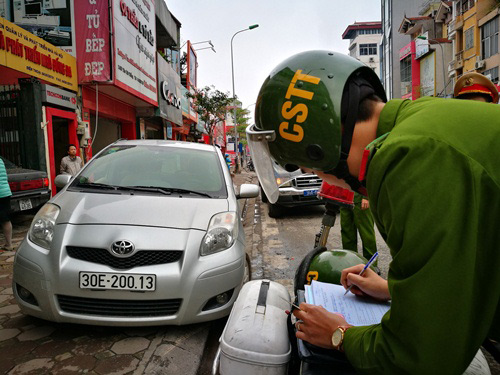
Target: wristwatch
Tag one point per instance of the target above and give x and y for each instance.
(338, 338)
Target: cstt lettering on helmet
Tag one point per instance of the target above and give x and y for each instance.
(294, 132)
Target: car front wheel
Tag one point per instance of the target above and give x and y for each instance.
(275, 210)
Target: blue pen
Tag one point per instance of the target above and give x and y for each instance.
(372, 259)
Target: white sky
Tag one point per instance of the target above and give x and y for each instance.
(286, 27)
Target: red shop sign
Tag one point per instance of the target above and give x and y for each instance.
(92, 40)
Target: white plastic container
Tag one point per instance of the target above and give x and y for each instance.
(255, 339)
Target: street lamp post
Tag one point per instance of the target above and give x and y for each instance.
(236, 169)
(423, 37)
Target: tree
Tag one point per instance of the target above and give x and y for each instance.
(211, 105)
(242, 120)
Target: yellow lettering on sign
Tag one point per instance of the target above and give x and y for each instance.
(293, 91)
(295, 134)
(312, 275)
(288, 112)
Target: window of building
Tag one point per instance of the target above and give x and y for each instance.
(489, 38)
(492, 74)
(469, 38)
(405, 69)
(368, 49)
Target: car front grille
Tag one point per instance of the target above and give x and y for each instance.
(308, 182)
(114, 307)
(141, 258)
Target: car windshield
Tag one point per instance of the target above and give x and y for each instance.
(161, 170)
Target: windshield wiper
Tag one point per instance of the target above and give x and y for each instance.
(186, 191)
(152, 189)
(96, 185)
(163, 190)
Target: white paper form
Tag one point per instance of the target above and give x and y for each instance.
(357, 311)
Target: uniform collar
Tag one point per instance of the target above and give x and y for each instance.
(388, 116)
(386, 123)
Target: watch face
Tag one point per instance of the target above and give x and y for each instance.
(337, 337)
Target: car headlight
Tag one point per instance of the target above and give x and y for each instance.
(281, 182)
(42, 228)
(221, 234)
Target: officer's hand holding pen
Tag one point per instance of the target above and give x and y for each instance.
(368, 284)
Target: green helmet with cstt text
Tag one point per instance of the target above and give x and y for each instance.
(302, 109)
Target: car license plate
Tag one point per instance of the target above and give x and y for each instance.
(118, 281)
(25, 204)
(308, 193)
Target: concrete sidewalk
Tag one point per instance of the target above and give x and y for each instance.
(33, 346)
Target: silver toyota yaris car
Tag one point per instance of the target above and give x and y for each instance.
(148, 233)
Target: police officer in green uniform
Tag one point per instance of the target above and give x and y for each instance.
(358, 219)
(430, 170)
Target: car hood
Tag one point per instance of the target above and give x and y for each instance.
(144, 210)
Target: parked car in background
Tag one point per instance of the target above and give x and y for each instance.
(295, 189)
(148, 233)
(30, 188)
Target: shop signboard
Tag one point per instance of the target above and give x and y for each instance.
(60, 97)
(50, 20)
(428, 75)
(191, 66)
(135, 48)
(169, 98)
(29, 54)
(421, 45)
(93, 42)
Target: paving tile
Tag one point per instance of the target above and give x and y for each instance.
(10, 309)
(8, 333)
(104, 354)
(36, 333)
(16, 349)
(7, 291)
(53, 348)
(62, 357)
(20, 321)
(117, 365)
(130, 345)
(4, 297)
(92, 346)
(34, 366)
(75, 365)
(6, 365)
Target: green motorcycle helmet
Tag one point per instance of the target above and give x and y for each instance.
(298, 115)
(327, 266)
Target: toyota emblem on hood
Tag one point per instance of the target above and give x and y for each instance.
(122, 248)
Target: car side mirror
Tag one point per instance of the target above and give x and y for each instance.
(248, 191)
(62, 180)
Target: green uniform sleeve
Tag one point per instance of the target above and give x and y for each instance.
(435, 208)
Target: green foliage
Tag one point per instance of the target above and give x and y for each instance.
(211, 106)
(243, 120)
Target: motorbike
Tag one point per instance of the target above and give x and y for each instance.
(250, 165)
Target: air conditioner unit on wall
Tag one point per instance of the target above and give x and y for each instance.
(479, 64)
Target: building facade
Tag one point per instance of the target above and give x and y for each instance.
(392, 12)
(364, 41)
